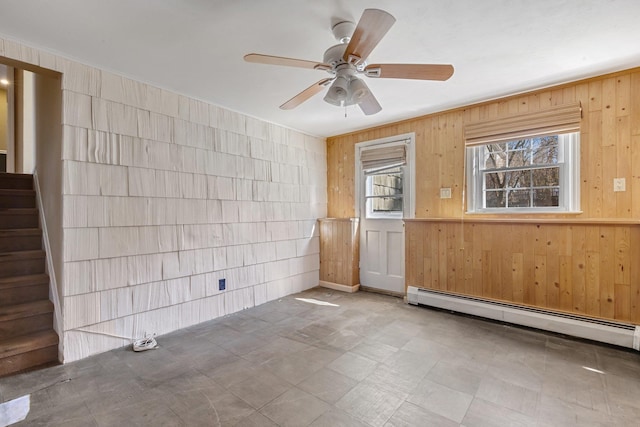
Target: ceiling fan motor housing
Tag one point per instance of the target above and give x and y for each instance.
(334, 57)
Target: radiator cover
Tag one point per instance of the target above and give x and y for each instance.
(620, 334)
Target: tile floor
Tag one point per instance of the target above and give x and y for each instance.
(370, 360)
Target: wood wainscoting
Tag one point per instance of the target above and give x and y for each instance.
(340, 254)
(589, 268)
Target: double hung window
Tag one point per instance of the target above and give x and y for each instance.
(523, 169)
(531, 174)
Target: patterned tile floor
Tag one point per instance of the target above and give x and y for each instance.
(370, 360)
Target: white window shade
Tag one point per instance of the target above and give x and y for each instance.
(376, 159)
(554, 120)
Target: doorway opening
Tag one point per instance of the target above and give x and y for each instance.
(17, 120)
(4, 115)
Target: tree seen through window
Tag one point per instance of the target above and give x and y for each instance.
(522, 173)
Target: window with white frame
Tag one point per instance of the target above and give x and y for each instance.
(537, 174)
(525, 163)
(383, 167)
(384, 193)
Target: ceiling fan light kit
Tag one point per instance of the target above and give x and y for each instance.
(346, 60)
(358, 89)
(346, 89)
(338, 92)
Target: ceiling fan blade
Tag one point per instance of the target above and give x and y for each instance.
(369, 105)
(305, 94)
(372, 27)
(287, 62)
(410, 71)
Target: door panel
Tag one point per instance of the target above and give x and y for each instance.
(395, 254)
(382, 267)
(373, 251)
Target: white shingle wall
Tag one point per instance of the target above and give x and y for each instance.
(165, 195)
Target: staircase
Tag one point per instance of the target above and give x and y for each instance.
(27, 338)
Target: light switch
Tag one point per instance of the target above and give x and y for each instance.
(445, 193)
(619, 184)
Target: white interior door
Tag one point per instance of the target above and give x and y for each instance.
(382, 254)
(384, 199)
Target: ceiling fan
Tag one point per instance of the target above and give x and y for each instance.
(348, 59)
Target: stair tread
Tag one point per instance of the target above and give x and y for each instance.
(29, 342)
(18, 211)
(17, 232)
(16, 175)
(27, 309)
(20, 255)
(26, 280)
(16, 192)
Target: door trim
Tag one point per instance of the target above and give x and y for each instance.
(11, 120)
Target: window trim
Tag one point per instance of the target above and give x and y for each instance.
(569, 180)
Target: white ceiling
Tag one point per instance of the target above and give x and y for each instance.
(195, 47)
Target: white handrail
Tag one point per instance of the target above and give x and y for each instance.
(53, 285)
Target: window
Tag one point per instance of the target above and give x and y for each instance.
(383, 167)
(525, 163)
(532, 174)
(384, 193)
(384, 180)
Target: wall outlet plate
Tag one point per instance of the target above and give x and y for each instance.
(222, 284)
(619, 184)
(445, 193)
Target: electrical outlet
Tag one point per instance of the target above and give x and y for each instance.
(445, 193)
(619, 184)
(222, 284)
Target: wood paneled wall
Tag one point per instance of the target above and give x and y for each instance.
(339, 251)
(610, 137)
(576, 263)
(583, 268)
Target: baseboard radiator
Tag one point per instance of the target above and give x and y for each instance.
(620, 334)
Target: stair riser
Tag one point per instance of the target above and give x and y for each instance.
(31, 359)
(21, 267)
(25, 325)
(22, 294)
(20, 201)
(13, 182)
(8, 222)
(20, 243)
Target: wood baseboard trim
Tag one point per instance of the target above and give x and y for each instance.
(339, 287)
